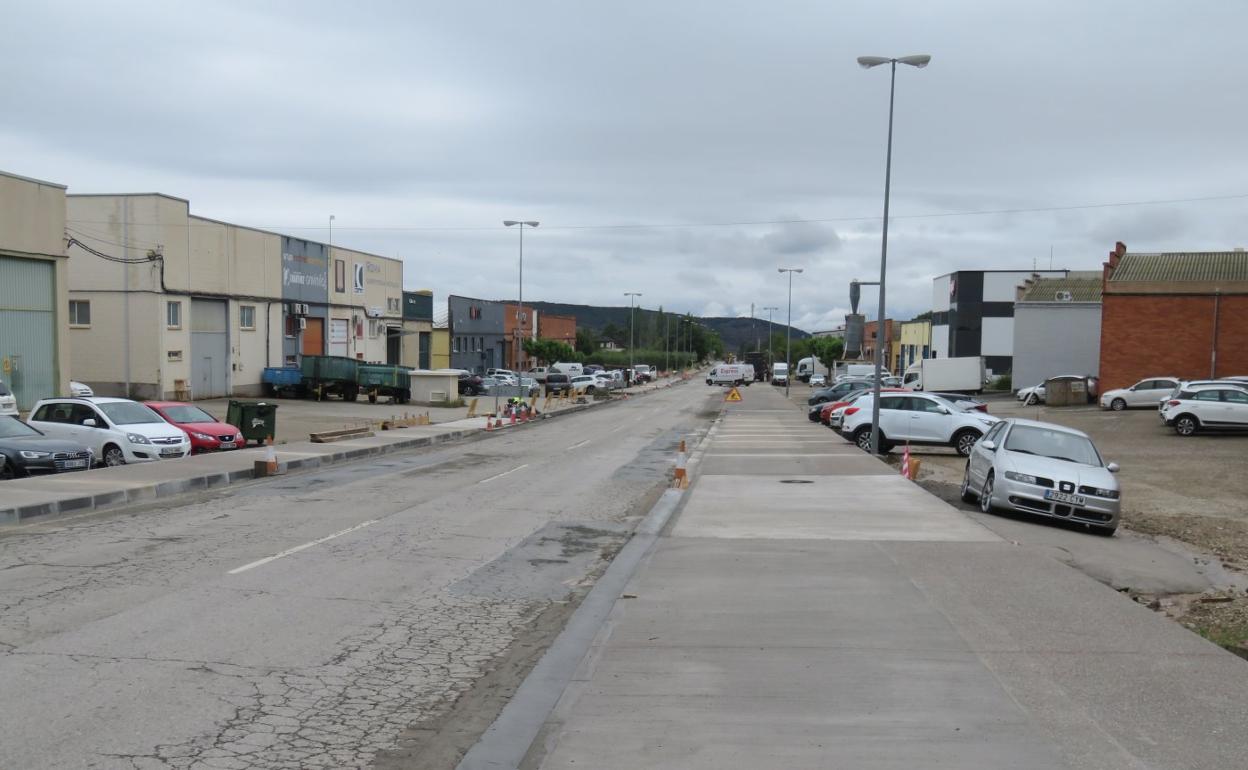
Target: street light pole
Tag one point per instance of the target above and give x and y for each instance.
(867, 62)
(788, 332)
(631, 296)
(770, 334)
(515, 356)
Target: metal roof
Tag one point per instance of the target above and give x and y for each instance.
(1083, 286)
(1170, 267)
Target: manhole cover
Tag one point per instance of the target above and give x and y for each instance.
(796, 481)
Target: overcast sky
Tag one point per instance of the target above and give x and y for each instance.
(641, 134)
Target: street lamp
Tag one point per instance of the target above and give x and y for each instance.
(867, 62)
(631, 296)
(515, 359)
(770, 333)
(788, 332)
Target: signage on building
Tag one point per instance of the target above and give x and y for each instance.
(305, 271)
(359, 278)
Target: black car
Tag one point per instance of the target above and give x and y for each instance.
(557, 382)
(470, 384)
(26, 451)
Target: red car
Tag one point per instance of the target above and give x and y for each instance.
(207, 433)
(825, 414)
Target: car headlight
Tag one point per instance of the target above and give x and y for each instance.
(135, 438)
(1026, 478)
(202, 436)
(30, 454)
(1109, 494)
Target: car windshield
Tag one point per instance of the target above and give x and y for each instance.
(188, 414)
(128, 413)
(1056, 444)
(11, 427)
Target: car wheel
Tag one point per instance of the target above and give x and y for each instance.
(863, 439)
(7, 472)
(985, 495)
(1118, 404)
(964, 442)
(113, 456)
(967, 495)
(1186, 425)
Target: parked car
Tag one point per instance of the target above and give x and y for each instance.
(962, 400)
(643, 373)
(78, 390)
(557, 382)
(207, 433)
(818, 380)
(591, 369)
(837, 391)
(1146, 392)
(586, 383)
(1040, 467)
(116, 430)
(470, 384)
(8, 402)
(1206, 407)
(25, 451)
(530, 386)
(496, 372)
(538, 373)
(849, 398)
(917, 418)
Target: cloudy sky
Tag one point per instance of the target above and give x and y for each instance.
(677, 148)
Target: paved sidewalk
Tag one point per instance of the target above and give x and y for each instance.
(811, 609)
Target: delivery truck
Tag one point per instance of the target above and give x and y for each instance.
(956, 375)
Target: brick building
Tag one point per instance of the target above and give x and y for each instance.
(892, 338)
(1180, 314)
(557, 327)
(548, 326)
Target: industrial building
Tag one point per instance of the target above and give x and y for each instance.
(476, 331)
(34, 300)
(973, 314)
(166, 304)
(915, 343)
(1057, 327)
(418, 329)
(1178, 314)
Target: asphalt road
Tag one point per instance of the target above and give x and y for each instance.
(322, 619)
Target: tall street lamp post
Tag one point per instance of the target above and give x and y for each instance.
(515, 357)
(770, 334)
(867, 62)
(631, 296)
(788, 332)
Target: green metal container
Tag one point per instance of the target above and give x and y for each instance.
(384, 376)
(329, 368)
(256, 420)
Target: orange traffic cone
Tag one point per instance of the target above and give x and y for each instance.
(270, 457)
(489, 423)
(513, 416)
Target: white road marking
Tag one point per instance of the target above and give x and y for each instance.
(578, 444)
(504, 473)
(299, 548)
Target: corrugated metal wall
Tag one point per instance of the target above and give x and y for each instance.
(28, 328)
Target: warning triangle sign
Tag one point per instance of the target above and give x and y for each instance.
(733, 395)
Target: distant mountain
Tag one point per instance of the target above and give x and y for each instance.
(733, 331)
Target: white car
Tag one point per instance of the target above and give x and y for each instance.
(818, 380)
(1206, 407)
(1039, 467)
(586, 383)
(8, 402)
(917, 418)
(79, 390)
(1034, 394)
(1143, 393)
(606, 381)
(117, 430)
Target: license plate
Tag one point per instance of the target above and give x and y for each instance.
(1062, 497)
(72, 464)
(171, 452)
(228, 445)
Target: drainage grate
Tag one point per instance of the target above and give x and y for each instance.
(796, 481)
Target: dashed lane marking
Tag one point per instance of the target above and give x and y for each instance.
(298, 548)
(504, 473)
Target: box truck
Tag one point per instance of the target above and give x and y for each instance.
(958, 375)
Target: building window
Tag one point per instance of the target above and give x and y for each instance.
(173, 315)
(340, 276)
(455, 344)
(173, 355)
(79, 312)
(247, 316)
(292, 326)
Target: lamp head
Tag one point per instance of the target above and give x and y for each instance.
(867, 62)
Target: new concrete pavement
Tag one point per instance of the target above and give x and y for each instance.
(808, 608)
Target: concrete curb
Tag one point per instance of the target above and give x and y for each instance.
(154, 491)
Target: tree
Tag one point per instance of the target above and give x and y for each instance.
(550, 351)
(585, 342)
(827, 349)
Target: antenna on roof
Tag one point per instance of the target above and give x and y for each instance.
(1050, 256)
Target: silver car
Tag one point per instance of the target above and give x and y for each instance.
(1039, 467)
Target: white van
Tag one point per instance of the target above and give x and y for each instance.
(780, 374)
(572, 370)
(729, 374)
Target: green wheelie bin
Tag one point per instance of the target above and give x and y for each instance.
(256, 420)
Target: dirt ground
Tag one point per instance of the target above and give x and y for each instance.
(1192, 490)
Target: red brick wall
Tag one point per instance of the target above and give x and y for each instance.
(1154, 335)
(557, 327)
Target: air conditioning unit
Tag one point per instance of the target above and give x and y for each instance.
(1063, 296)
(303, 324)
(292, 309)
(303, 309)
